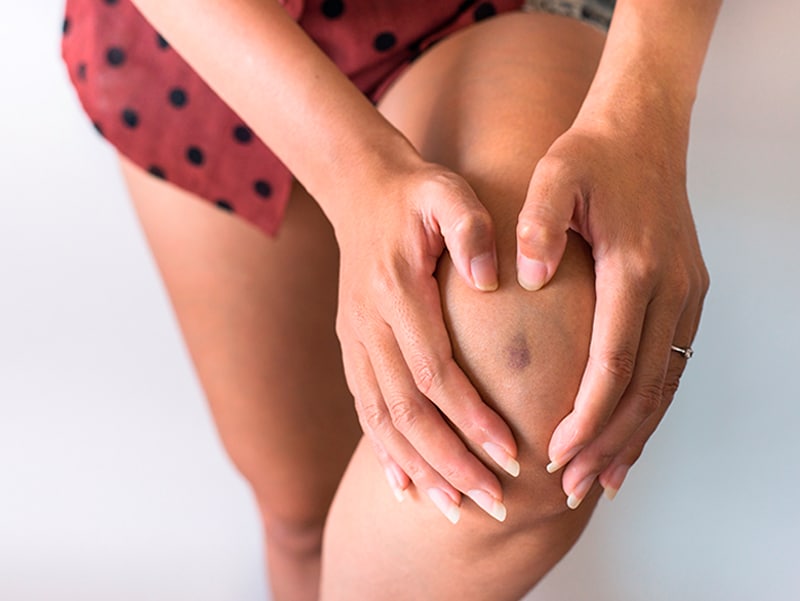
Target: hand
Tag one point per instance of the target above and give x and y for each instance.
(397, 353)
(620, 185)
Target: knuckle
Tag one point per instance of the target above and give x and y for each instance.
(473, 223)
(643, 271)
(416, 471)
(452, 472)
(373, 418)
(551, 168)
(648, 399)
(405, 414)
(427, 374)
(603, 458)
(620, 364)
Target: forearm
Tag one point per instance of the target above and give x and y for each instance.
(652, 61)
(293, 96)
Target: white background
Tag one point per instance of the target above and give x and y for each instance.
(114, 486)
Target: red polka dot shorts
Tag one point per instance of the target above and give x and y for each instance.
(150, 105)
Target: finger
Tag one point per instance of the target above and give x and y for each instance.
(418, 328)
(378, 427)
(421, 424)
(543, 223)
(616, 331)
(468, 233)
(612, 478)
(641, 400)
(614, 475)
(361, 382)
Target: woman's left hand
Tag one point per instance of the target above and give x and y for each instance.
(621, 184)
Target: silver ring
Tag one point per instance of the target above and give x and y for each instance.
(686, 352)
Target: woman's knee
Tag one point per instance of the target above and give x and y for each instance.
(525, 352)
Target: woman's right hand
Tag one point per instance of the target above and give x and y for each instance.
(392, 221)
(397, 353)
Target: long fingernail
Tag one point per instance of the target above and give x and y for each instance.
(615, 481)
(395, 483)
(484, 272)
(577, 496)
(502, 458)
(489, 504)
(445, 504)
(557, 464)
(531, 273)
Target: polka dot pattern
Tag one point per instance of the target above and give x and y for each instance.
(263, 189)
(242, 134)
(484, 11)
(195, 155)
(130, 118)
(384, 41)
(333, 9)
(178, 97)
(115, 56)
(147, 102)
(157, 171)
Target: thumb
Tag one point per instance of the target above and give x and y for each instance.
(468, 233)
(542, 227)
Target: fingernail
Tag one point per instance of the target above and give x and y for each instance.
(615, 481)
(445, 504)
(502, 458)
(395, 483)
(579, 493)
(557, 464)
(484, 272)
(531, 273)
(489, 504)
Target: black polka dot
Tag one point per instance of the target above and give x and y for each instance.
(224, 205)
(162, 43)
(130, 118)
(98, 128)
(465, 6)
(178, 98)
(80, 71)
(65, 26)
(332, 8)
(384, 41)
(115, 56)
(110, 1)
(484, 11)
(157, 171)
(263, 188)
(195, 155)
(243, 134)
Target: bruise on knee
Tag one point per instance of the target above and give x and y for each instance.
(517, 353)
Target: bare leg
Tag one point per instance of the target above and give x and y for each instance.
(487, 103)
(258, 318)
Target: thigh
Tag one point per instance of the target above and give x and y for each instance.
(487, 102)
(257, 315)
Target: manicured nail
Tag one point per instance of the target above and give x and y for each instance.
(489, 504)
(615, 481)
(579, 493)
(502, 458)
(531, 273)
(395, 483)
(484, 272)
(557, 464)
(445, 504)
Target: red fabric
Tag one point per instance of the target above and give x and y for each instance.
(159, 113)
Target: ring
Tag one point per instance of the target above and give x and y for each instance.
(686, 352)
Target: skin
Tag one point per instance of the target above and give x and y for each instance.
(609, 157)
(524, 352)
